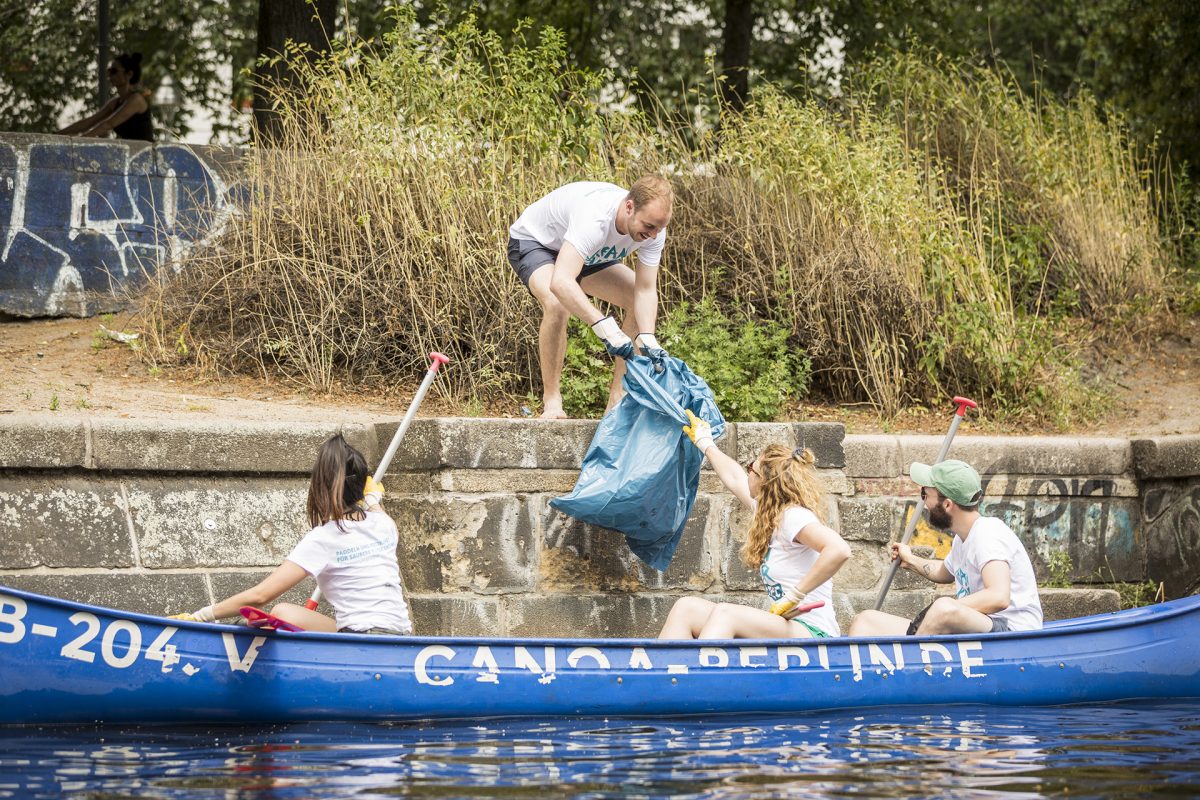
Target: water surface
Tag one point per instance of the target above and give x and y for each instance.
(1128, 750)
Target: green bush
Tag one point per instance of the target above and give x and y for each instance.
(748, 364)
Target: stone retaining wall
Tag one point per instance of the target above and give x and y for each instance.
(160, 518)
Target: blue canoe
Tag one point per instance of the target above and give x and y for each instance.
(73, 663)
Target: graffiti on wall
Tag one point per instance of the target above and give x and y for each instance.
(84, 223)
(1079, 516)
(1171, 527)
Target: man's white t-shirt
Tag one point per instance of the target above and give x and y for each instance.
(788, 561)
(357, 571)
(585, 214)
(991, 540)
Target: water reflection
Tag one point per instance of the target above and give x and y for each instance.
(968, 752)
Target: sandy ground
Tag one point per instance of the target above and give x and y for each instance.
(71, 367)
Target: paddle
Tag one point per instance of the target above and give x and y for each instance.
(962, 404)
(265, 620)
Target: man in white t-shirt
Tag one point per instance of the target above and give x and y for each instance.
(569, 245)
(995, 588)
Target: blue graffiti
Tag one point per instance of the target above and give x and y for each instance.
(83, 224)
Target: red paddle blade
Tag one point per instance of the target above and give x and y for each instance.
(257, 618)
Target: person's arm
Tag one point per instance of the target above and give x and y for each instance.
(997, 589)
(933, 569)
(728, 470)
(833, 550)
(565, 287)
(285, 576)
(645, 297)
(83, 124)
(134, 104)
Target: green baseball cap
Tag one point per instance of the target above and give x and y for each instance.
(954, 479)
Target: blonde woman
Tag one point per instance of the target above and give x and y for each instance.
(796, 553)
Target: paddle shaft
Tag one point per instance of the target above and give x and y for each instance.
(962, 404)
(438, 360)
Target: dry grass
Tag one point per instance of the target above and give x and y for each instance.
(943, 235)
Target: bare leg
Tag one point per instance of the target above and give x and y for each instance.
(731, 621)
(877, 623)
(615, 285)
(948, 615)
(687, 618)
(552, 342)
(305, 618)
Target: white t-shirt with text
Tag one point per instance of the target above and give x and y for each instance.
(585, 214)
(788, 561)
(357, 572)
(991, 540)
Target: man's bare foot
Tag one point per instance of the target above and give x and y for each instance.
(553, 413)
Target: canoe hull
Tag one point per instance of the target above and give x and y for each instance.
(73, 663)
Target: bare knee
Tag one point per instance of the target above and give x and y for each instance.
(940, 616)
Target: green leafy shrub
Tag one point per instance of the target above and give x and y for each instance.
(748, 364)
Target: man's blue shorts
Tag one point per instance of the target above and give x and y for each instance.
(526, 256)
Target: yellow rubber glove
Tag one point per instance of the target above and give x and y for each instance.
(201, 615)
(372, 493)
(699, 431)
(789, 601)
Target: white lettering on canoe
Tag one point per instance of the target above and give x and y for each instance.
(484, 658)
(879, 658)
(713, 657)
(423, 659)
(968, 661)
(579, 653)
(928, 648)
(524, 660)
(12, 611)
(639, 660)
(237, 662)
(746, 656)
(784, 654)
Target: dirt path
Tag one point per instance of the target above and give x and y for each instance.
(70, 367)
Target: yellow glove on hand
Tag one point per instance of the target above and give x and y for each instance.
(789, 601)
(699, 431)
(202, 615)
(372, 493)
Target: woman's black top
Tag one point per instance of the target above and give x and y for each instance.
(138, 126)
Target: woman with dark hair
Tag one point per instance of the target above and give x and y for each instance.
(128, 114)
(351, 551)
(788, 544)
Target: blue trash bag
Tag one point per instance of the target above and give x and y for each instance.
(641, 473)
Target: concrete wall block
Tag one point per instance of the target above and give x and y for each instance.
(1166, 456)
(585, 616)
(515, 443)
(434, 615)
(466, 543)
(824, 439)
(59, 520)
(1071, 603)
(863, 571)
(40, 442)
(873, 456)
(185, 446)
(1026, 455)
(143, 593)
(577, 556)
(905, 604)
(511, 481)
(752, 437)
(419, 450)
(734, 523)
(870, 519)
(217, 522)
(1171, 533)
